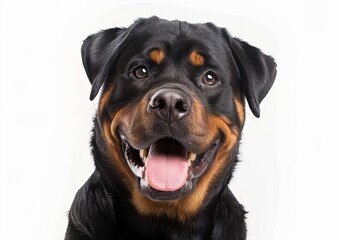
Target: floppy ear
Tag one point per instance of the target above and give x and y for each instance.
(257, 72)
(99, 52)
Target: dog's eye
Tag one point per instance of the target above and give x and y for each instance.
(210, 78)
(140, 72)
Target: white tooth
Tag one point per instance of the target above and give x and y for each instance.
(191, 156)
(143, 153)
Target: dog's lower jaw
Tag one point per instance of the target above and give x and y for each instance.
(188, 207)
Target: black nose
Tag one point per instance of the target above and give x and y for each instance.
(170, 105)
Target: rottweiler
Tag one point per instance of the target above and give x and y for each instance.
(167, 130)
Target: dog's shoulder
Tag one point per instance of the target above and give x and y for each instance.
(92, 209)
(229, 223)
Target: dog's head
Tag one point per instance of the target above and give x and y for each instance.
(172, 107)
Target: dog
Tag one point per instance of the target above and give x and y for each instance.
(167, 130)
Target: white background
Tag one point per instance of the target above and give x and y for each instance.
(288, 178)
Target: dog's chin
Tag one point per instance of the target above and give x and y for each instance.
(167, 170)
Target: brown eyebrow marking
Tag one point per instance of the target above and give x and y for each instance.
(196, 59)
(157, 55)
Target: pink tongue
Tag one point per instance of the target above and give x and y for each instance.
(166, 172)
(166, 166)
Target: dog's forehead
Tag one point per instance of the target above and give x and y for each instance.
(179, 37)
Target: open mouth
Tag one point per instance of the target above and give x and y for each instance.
(166, 169)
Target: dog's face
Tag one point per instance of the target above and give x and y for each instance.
(172, 107)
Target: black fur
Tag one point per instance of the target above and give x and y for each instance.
(101, 209)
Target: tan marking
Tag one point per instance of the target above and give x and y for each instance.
(104, 100)
(240, 109)
(113, 144)
(157, 56)
(196, 59)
